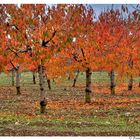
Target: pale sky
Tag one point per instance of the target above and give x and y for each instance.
(100, 7)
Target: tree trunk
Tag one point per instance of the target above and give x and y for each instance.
(18, 80)
(112, 82)
(88, 85)
(43, 101)
(12, 76)
(34, 81)
(49, 83)
(75, 79)
(139, 80)
(69, 77)
(130, 83)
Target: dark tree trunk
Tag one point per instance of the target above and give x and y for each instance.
(12, 76)
(88, 85)
(34, 79)
(43, 101)
(18, 80)
(130, 83)
(18, 90)
(75, 79)
(49, 83)
(139, 80)
(112, 82)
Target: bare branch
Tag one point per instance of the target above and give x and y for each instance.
(13, 65)
(44, 43)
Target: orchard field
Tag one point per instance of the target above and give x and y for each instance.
(66, 70)
(66, 113)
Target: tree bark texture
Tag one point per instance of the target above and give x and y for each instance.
(88, 85)
(18, 80)
(43, 101)
(130, 82)
(112, 82)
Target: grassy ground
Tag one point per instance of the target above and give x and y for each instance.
(67, 114)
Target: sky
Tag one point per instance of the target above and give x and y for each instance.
(100, 7)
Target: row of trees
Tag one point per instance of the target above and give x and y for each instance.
(62, 39)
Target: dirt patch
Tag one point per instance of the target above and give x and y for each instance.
(11, 132)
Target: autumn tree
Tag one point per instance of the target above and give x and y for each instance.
(79, 42)
(58, 40)
(130, 49)
(133, 45)
(3, 38)
(16, 40)
(110, 29)
(46, 33)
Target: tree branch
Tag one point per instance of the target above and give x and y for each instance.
(83, 55)
(13, 51)
(13, 65)
(44, 43)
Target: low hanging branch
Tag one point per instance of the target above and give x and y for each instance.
(13, 65)
(84, 55)
(13, 51)
(44, 43)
